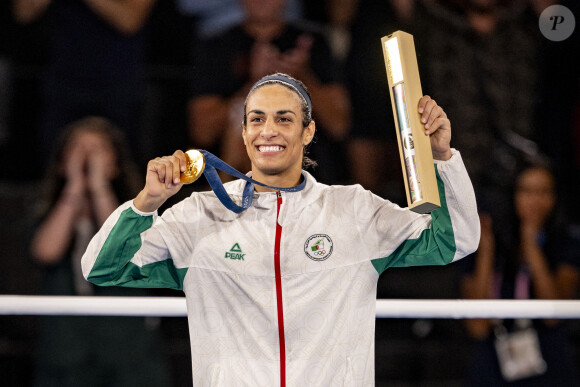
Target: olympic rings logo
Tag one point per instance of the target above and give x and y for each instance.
(318, 247)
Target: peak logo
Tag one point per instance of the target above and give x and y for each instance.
(235, 253)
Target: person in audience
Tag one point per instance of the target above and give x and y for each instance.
(536, 258)
(90, 174)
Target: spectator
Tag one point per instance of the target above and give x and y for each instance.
(90, 174)
(536, 260)
(263, 43)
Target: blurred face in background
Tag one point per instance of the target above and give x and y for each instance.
(264, 10)
(88, 146)
(535, 195)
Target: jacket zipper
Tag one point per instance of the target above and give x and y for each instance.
(279, 305)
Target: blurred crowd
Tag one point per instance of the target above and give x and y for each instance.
(90, 90)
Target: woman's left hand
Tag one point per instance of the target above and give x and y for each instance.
(437, 127)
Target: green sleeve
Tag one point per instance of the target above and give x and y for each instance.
(116, 263)
(434, 246)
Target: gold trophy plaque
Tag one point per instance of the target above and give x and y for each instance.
(414, 145)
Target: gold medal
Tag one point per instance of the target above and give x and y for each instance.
(194, 167)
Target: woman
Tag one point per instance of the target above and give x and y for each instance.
(90, 174)
(285, 291)
(535, 260)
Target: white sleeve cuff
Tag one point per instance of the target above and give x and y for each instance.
(141, 212)
(453, 153)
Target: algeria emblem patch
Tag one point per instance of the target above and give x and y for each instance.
(318, 247)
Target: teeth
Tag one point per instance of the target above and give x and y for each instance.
(270, 148)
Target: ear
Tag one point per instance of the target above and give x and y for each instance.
(308, 133)
(244, 133)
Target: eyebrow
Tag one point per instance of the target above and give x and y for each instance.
(279, 112)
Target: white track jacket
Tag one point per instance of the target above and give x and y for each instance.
(285, 292)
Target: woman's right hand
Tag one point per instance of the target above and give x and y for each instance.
(162, 181)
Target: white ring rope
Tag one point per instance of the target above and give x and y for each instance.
(386, 308)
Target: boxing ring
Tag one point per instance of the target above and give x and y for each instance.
(386, 308)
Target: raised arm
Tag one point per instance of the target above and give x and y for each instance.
(448, 233)
(131, 248)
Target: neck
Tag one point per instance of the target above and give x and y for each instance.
(287, 181)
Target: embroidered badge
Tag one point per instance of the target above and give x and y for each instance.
(318, 247)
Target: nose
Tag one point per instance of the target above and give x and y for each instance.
(269, 130)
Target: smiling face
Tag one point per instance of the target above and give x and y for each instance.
(274, 135)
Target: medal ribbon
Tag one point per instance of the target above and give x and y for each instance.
(212, 163)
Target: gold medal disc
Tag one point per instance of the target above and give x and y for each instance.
(194, 167)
